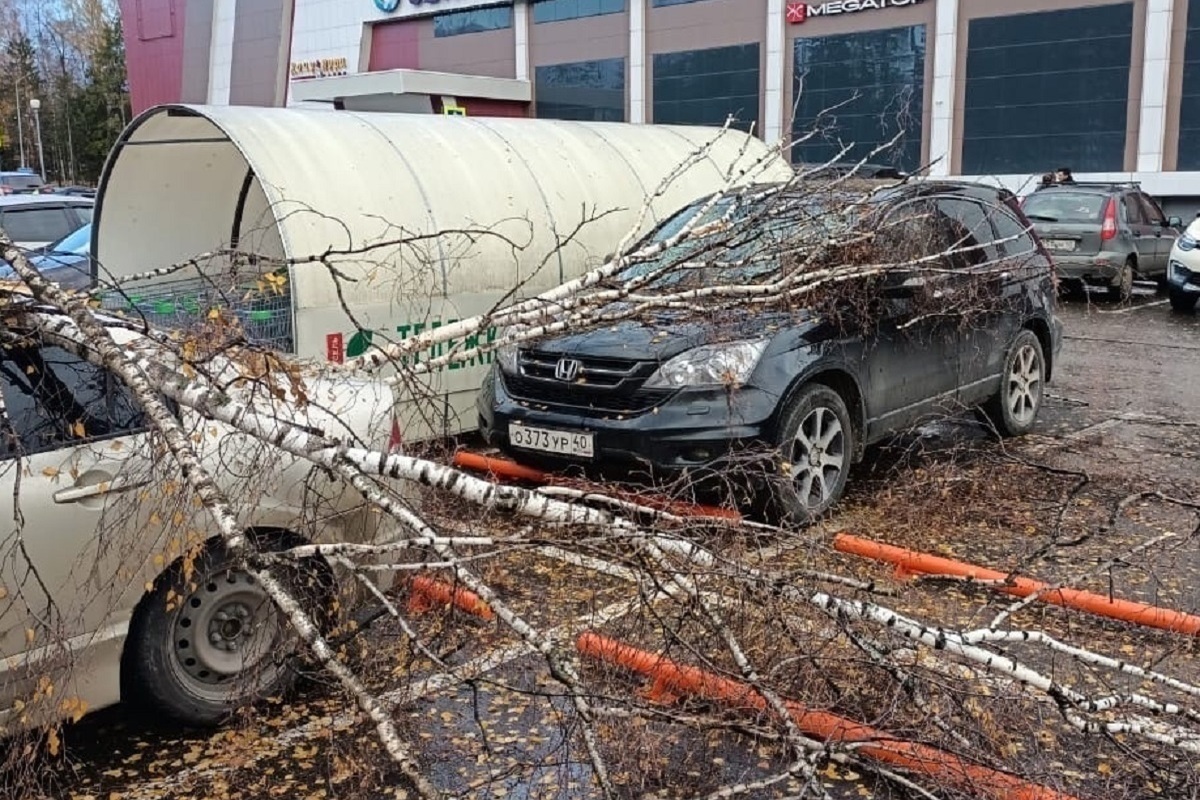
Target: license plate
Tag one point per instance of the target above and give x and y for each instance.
(563, 443)
(1062, 245)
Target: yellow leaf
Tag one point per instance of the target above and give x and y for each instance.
(50, 472)
(30, 635)
(3, 593)
(78, 430)
(214, 313)
(155, 519)
(53, 743)
(1104, 768)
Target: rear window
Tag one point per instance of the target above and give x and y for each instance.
(47, 224)
(21, 181)
(1064, 206)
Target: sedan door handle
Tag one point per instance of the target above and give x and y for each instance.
(77, 493)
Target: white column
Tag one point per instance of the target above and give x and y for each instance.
(637, 61)
(1156, 72)
(773, 122)
(521, 34)
(945, 61)
(220, 54)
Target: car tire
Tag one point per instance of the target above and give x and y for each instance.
(816, 447)
(245, 648)
(1182, 302)
(1013, 410)
(1121, 289)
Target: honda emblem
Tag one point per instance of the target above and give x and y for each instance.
(567, 369)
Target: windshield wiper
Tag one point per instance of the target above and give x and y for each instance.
(1041, 217)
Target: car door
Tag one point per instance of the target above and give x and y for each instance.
(1144, 237)
(73, 532)
(972, 299)
(910, 363)
(1164, 236)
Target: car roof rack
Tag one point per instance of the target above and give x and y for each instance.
(1095, 185)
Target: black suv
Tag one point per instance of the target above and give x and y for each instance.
(796, 387)
(1103, 234)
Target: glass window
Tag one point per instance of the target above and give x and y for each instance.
(705, 87)
(56, 399)
(1189, 107)
(38, 224)
(78, 242)
(970, 232)
(475, 20)
(585, 90)
(1048, 88)
(1133, 210)
(84, 213)
(21, 181)
(661, 3)
(559, 10)
(861, 89)
(1021, 242)
(1064, 206)
(1152, 210)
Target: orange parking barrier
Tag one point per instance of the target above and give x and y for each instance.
(426, 594)
(499, 467)
(912, 562)
(505, 469)
(946, 768)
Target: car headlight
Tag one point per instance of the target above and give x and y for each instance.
(709, 365)
(1186, 243)
(506, 354)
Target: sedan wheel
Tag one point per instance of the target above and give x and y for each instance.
(209, 640)
(1014, 408)
(817, 444)
(1121, 289)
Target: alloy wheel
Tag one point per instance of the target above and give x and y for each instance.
(818, 457)
(1024, 385)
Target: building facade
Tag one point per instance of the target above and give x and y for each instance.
(963, 87)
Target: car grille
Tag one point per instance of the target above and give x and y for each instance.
(601, 385)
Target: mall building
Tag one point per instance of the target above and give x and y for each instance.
(971, 87)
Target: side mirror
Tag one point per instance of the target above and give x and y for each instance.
(1174, 222)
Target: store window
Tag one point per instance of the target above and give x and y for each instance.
(559, 10)
(476, 20)
(583, 90)
(861, 88)
(705, 87)
(1189, 114)
(1048, 89)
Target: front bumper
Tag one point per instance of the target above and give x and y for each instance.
(1102, 268)
(693, 430)
(1183, 278)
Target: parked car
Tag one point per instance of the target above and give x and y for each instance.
(20, 182)
(68, 262)
(1103, 234)
(688, 397)
(100, 603)
(77, 191)
(34, 221)
(1183, 270)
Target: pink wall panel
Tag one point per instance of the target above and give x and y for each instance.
(154, 50)
(395, 45)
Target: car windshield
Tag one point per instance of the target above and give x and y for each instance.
(1059, 206)
(21, 181)
(746, 249)
(76, 243)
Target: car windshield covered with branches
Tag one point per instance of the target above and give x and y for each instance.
(788, 329)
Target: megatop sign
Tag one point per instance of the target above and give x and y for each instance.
(414, 8)
(801, 12)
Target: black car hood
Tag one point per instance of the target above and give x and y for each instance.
(668, 334)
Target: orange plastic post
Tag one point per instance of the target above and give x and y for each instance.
(940, 765)
(913, 562)
(500, 467)
(505, 469)
(427, 593)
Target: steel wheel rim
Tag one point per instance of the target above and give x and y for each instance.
(225, 628)
(1024, 385)
(818, 457)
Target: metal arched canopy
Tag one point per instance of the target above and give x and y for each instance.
(298, 183)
